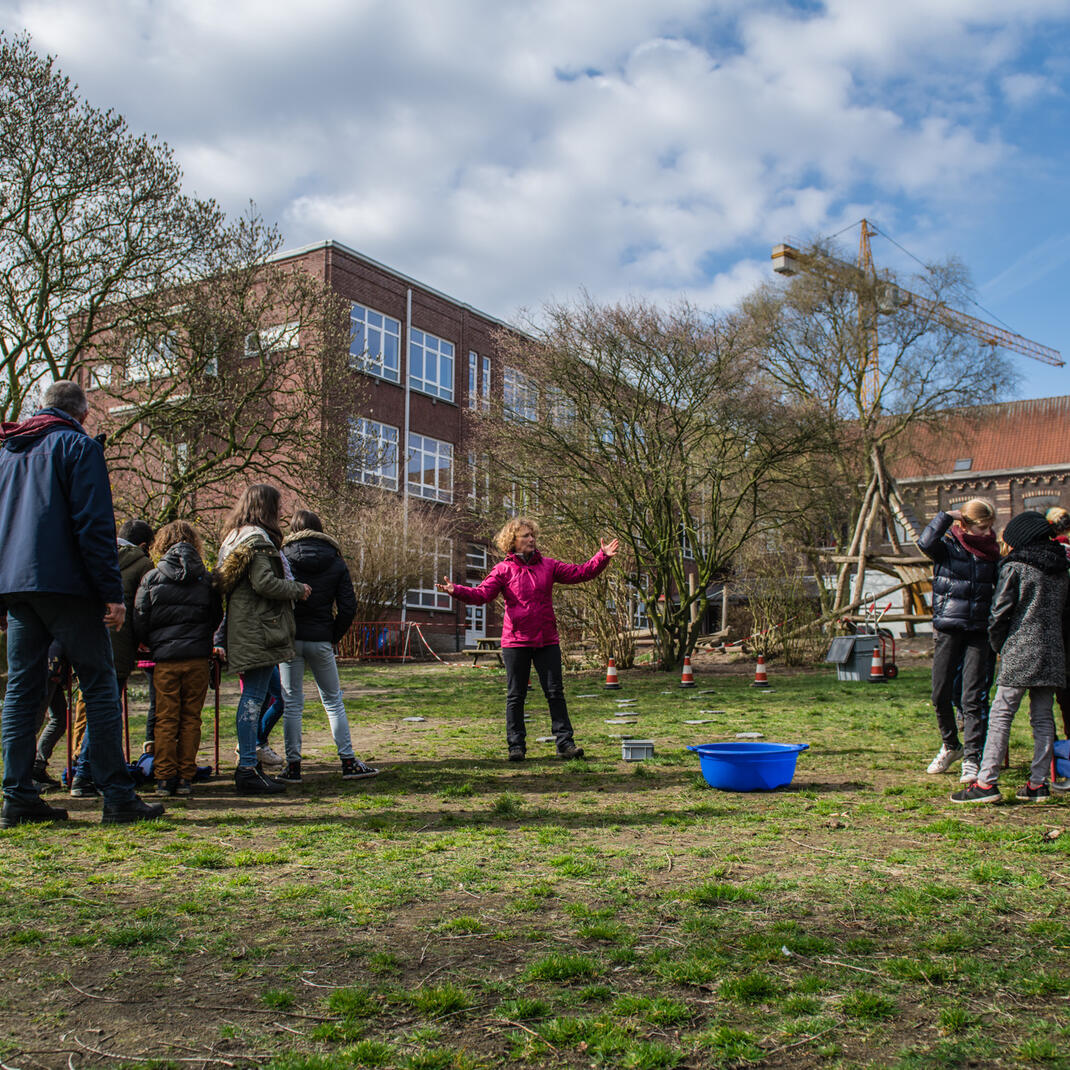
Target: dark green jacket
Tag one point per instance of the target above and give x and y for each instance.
(133, 564)
(260, 616)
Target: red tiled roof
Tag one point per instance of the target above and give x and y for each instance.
(1013, 435)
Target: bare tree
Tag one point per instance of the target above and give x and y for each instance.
(386, 551)
(875, 363)
(658, 425)
(92, 217)
(241, 375)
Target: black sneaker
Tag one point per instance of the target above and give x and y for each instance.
(291, 773)
(516, 754)
(974, 793)
(26, 813)
(248, 781)
(82, 787)
(183, 787)
(126, 813)
(355, 769)
(1027, 793)
(569, 750)
(166, 788)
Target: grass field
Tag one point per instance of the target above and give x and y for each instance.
(462, 912)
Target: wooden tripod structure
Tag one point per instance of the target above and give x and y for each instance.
(882, 506)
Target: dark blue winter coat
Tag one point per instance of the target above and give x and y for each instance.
(57, 523)
(963, 584)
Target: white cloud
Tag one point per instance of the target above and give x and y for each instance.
(504, 152)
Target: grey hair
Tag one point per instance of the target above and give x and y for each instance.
(67, 396)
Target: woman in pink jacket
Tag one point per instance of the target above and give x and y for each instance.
(529, 632)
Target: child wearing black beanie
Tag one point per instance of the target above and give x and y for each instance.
(1029, 610)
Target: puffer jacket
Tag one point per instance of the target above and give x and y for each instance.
(133, 564)
(963, 584)
(316, 559)
(260, 616)
(178, 607)
(1028, 615)
(527, 587)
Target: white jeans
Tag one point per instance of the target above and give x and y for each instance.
(320, 659)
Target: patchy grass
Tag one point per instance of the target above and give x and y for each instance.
(466, 912)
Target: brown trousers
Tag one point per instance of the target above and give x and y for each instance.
(181, 687)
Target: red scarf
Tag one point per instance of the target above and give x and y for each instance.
(986, 547)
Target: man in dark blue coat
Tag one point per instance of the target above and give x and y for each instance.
(59, 578)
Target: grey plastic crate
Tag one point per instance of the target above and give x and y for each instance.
(853, 656)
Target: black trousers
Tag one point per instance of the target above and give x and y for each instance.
(973, 651)
(546, 661)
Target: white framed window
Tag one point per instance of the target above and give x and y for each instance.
(561, 408)
(375, 343)
(372, 453)
(149, 358)
(430, 468)
(438, 562)
(431, 364)
(479, 480)
(478, 382)
(100, 376)
(273, 339)
(520, 499)
(520, 395)
(475, 561)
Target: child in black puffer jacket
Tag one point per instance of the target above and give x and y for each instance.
(176, 612)
(965, 556)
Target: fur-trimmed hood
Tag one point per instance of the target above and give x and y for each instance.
(308, 533)
(237, 552)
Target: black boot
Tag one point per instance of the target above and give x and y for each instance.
(24, 813)
(129, 811)
(251, 781)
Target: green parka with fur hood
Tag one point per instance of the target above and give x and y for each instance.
(260, 616)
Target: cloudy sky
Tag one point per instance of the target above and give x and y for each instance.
(512, 151)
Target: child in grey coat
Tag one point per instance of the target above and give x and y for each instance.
(1025, 628)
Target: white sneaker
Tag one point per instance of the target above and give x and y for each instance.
(969, 771)
(1060, 784)
(945, 759)
(266, 756)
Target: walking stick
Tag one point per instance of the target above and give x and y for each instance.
(216, 677)
(126, 724)
(69, 687)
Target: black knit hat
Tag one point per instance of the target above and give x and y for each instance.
(1026, 528)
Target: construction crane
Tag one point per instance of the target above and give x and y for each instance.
(876, 297)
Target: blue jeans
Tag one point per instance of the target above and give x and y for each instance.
(319, 657)
(272, 709)
(255, 684)
(77, 623)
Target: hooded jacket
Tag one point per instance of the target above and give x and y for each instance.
(963, 584)
(316, 559)
(527, 588)
(57, 523)
(1029, 613)
(177, 607)
(260, 616)
(133, 564)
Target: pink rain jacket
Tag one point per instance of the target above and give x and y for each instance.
(529, 611)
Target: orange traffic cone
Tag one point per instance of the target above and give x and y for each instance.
(611, 676)
(760, 678)
(687, 677)
(876, 667)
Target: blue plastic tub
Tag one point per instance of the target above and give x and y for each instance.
(748, 766)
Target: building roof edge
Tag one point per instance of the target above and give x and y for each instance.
(329, 244)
